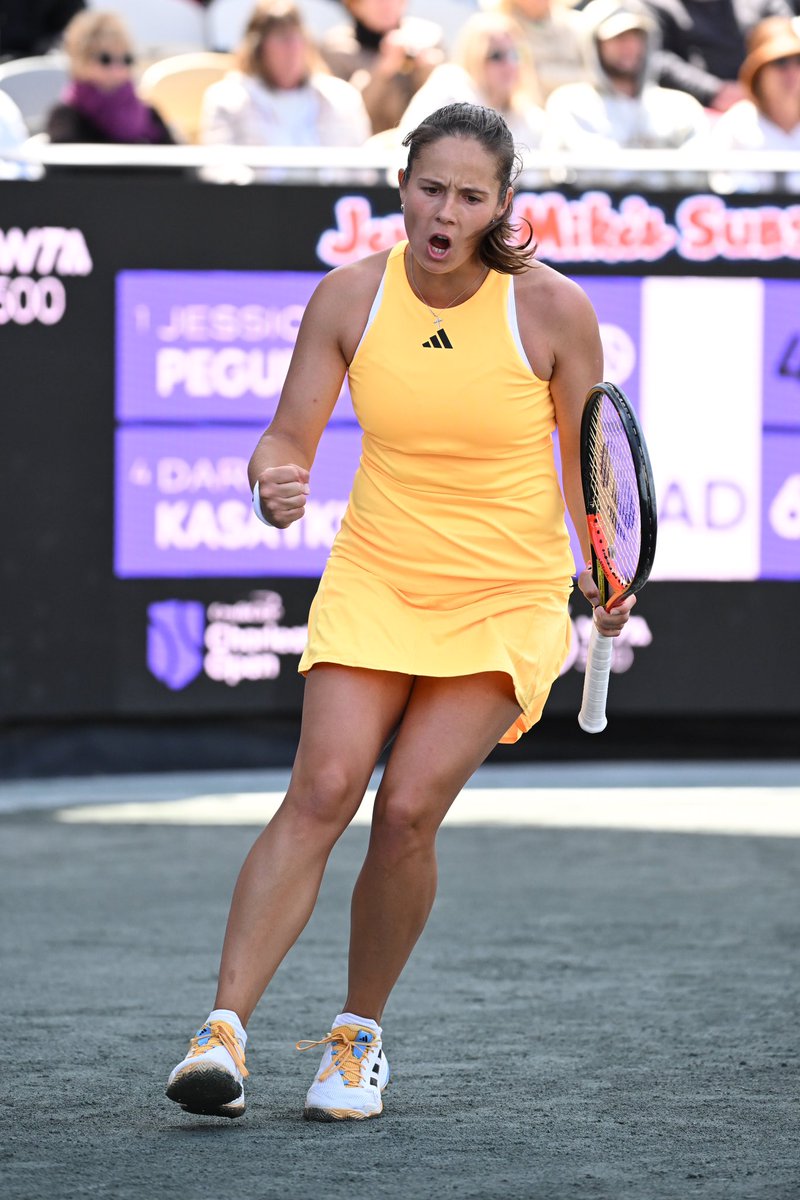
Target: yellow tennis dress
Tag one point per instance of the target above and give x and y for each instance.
(453, 556)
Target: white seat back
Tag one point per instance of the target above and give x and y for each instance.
(35, 85)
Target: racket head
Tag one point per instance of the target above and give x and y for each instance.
(619, 494)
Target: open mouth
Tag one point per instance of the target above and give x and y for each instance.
(438, 245)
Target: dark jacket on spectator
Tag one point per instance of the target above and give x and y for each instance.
(67, 124)
(32, 26)
(703, 41)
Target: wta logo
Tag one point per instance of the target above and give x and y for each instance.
(32, 264)
(175, 641)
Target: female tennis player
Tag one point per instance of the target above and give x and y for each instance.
(441, 619)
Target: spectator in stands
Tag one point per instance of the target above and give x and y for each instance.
(769, 119)
(703, 45)
(552, 31)
(29, 27)
(282, 94)
(491, 67)
(385, 54)
(100, 103)
(621, 106)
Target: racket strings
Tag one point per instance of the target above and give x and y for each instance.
(615, 492)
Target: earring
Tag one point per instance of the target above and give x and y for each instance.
(402, 208)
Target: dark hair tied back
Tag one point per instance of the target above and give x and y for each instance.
(498, 249)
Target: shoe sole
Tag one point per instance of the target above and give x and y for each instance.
(339, 1114)
(313, 1113)
(206, 1091)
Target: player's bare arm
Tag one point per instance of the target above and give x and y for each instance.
(561, 337)
(326, 342)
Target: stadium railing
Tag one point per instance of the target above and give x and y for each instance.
(667, 169)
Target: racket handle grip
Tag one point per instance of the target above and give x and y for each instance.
(592, 717)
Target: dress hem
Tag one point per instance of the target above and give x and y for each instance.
(530, 712)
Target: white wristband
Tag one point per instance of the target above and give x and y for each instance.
(257, 505)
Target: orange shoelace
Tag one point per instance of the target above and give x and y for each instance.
(344, 1043)
(221, 1035)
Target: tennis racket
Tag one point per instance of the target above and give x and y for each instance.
(620, 503)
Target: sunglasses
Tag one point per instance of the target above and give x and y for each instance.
(104, 59)
(499, 56)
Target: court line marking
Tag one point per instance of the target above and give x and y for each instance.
(745, 811)
(606, 778)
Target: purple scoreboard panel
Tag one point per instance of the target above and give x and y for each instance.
(201, 359)
(210, 346)
(780, 515)
(184, 507)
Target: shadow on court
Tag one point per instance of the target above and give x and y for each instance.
(590, 1013)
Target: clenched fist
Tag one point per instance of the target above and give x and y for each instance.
(282, 492)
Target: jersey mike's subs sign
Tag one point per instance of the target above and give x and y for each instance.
(598, 228)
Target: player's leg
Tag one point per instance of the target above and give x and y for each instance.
(447, 730)
(348, 716)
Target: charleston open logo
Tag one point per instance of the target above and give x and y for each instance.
(175, 641)
(228, 643)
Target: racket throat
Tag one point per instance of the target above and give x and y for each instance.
(602, 583)
(608, 582)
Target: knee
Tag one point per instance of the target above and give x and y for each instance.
(324, 801)
(403, 823)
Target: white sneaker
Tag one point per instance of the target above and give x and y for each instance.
(352, 1074)
(208, 1081)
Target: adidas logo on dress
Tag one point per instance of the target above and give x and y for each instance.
(439, 341)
